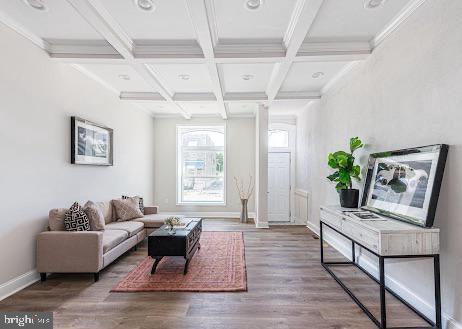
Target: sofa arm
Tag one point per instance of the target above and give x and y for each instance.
(151, 210)
(69, 252)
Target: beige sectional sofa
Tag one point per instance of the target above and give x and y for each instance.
(61, 251)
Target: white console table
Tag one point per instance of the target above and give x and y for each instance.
(385, 239)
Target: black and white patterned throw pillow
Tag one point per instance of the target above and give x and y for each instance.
(75, 219)
(141, 203)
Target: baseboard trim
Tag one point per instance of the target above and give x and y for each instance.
(262, 225)
(208, 214)
(16, 284)
(422, 305)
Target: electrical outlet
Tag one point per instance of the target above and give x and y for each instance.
(166, 200)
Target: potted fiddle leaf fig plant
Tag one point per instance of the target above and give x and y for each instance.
(345, 171)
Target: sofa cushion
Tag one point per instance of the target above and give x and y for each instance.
(112, 238)
(127, 208)
(131, 227)
(56, 219)
(107, 210)
(154, 220)
(76, 219)
(140, 202)
(95, 216)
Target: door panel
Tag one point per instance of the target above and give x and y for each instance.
(279, 187)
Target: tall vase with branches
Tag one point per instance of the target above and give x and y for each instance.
(245, 191)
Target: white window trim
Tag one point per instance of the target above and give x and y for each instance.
(179, 202)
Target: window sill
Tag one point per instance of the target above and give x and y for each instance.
(207, 204)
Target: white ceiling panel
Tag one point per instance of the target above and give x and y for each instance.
(159, 108)
(184, 78)
(311, 76)
(58, 21)
(201, 109)
(235, 21)
(169, 21)
(349, 20)
(245, 77)
(121, 77)
(242, 108)
(288, 107)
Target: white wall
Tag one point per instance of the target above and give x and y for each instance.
(240, 162)
(408, 93)
(38, 96)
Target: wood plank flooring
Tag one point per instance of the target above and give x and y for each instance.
(287, 288)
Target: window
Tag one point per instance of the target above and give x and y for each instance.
(278, 138)
(201, 164)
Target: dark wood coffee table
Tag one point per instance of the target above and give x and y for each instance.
(183, 243)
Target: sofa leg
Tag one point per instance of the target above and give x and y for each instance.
(96, 276)
(43, 277)
(136, 247)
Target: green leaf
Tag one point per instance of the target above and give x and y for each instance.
(355, 143)
(342, 161)
(344, 176)
(333, 177)
(333, 164)
(355, 171)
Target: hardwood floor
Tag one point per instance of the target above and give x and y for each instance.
(287, 288)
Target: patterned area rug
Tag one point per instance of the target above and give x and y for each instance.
(218, 266)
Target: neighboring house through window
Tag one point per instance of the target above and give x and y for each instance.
(201, 164)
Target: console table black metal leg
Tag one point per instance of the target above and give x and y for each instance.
(353, 252)
(383, 305)
(436, 269)
(321, 242)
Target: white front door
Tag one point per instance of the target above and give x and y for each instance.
(278, 187)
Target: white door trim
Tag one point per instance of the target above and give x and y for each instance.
(292, 129)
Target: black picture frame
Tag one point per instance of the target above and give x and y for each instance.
(432, 188)
(91, 143)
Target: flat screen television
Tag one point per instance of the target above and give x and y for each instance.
(405, 184)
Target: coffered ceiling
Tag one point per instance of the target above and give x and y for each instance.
(209, 57)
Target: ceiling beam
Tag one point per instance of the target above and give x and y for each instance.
(81, 52)
(97, 16)
(302, 18)
(151, 77)
(200, 20)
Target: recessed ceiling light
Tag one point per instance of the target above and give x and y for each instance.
(124, 76)
(317, 75)
(184, 76)
(372, 4)
(145, 5)
(247, 77)
(36, 4)
(253, 4)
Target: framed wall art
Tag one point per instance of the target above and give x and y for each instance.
(91, 143)
(405, 184)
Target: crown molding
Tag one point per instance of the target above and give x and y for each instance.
(96, 78)
(167, 49)
(194, 97)
(81, 48)
(245, 97)
(343, 72)
(258, 48)
(326, 48)
(297, 95)
(21, 30)
(396, 22)
(141, 96)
